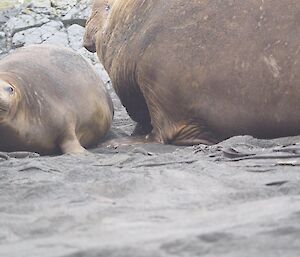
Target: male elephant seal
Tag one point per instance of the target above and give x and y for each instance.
(201, 71)
(51, 101)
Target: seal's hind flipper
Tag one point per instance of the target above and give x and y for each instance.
(190, 134)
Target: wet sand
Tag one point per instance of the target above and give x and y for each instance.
(238, 198)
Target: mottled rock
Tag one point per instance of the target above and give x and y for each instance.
(51, 22)
(50, 29)
(75, 33)
(103, 74)
(25, 21)
(58, 37)
(80, 11)
(27, 37)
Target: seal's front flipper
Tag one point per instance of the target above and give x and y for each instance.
(71, 145)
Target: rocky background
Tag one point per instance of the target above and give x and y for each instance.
(238, 198)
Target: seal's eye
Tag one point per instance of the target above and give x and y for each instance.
(9, 89)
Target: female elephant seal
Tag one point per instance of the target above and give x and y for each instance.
(201, 71)
(51, 101)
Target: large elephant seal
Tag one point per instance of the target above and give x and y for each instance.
(201, 71)
(51, 101)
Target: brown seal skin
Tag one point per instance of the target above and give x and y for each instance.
(201, 71)
(51, 101)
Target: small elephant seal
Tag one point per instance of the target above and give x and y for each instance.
(51, 101)
(202, 71)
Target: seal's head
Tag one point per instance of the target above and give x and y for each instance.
(7, 98)
(96, 23)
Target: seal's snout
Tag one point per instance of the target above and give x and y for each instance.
(90, 47)
(89, 39)
(89, 42)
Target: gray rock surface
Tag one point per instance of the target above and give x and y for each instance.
(238, 198)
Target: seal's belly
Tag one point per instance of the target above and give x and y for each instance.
(263, 124)
(20, 140)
